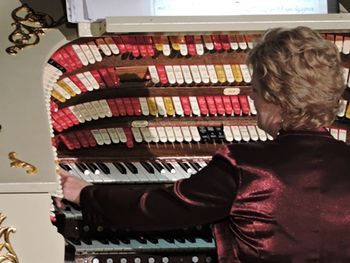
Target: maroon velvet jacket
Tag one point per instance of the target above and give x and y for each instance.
(287, 200)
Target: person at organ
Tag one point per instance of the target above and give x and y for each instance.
(286, 200)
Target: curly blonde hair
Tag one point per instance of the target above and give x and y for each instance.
(301, 72)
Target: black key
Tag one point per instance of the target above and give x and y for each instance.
(65, 167)
(104, 168)
(193, 165)
(159, 167)
(148, 167)
(93, 168)
(152, 240)
(185, 167)
(114, 240)
(180, 239)
(120, 168)
(169, 167)
(87, 241)
(124, 240)
(191, 239)
(103, 241)
(131, 167)
(142, 240)
(82, 167)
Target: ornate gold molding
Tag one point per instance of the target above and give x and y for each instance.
(7, 253)
(16, 163)
(29, 25)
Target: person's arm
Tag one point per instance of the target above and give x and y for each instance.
(204, 197)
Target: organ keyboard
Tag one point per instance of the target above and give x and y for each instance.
(149, 110)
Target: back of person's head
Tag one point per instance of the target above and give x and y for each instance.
(301, 72)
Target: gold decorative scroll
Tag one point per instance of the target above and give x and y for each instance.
(7, 253)
(16, 163)
(29, 25)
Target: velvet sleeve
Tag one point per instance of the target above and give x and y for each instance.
(204, 197)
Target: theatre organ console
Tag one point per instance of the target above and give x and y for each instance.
(138, 104)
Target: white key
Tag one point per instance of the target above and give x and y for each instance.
(160, 106)
(253, 133)
(187, 74)
(166, 49)
(121, 135)
(234, 45)
(342, 135)
(177, 106)
(178, 74)
(186, 133)
(170, 134)
(144, 106)
(245, 73)
(113, 134)
(346, 75)
(77, 114)
(72, 85)
(212, 74)
(269, 137)
(228, 73)
(183, 49)
(161, 134)
(92, 80)
(98, 137)
(80, 54)
(195, 134)
(154, 74)
(342, 108)
(98, 109)
(146, 135)
(204, 73)
(199, 48)
(208, 44)
(178, 134)
(170, 74)
(242, 45)
(339, 44)
(262, 134)
(137, 134)
(154, 134)
(251, 106)
(88, 54)
(195, 74)
(105, 136)
(346, 46)
(244, 132)
(228, 134)
(91, 110)
(334, 133)
(105, 108)
(85, 81)
(236, 133)
(95, 52)
(194, 106)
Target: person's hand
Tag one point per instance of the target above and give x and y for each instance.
(72, 186)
